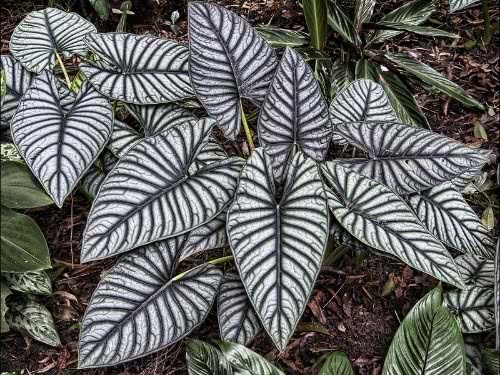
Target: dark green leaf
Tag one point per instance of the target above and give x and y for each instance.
(205, 359)
(363, 12)
(340, 22)
(337, 363)
(101, 7)
(365, 69)
(315, 14)
(244, 361)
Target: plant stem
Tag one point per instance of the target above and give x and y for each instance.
(486, 19)
(225, 259)
(59, 60)
(248, 132)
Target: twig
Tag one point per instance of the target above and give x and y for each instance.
(248, 133)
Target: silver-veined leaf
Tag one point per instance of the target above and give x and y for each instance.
(94, 177)
(37, 282)
(18, 187)
(340, 22)
(157, 118)
(363, 11)
(402, 100)
(415, 12)
(280, 38)
(229, 60)
(17, 81)
(139, 307)
(33, 319)
(456, 5)
(475, 270)
(211, 235)
(365, 69)
(434, 79)
(138, 69)
(446, 214)
(123, 138)
(362, 100)
(162, 198)
(472, 355)
(294, 116)
(205, 359)
(417, 29)
(278, 245)
(22, 246)
(211, 153)
(376, 216)
(238, 321)
(474, 307)
(428, 341)
(315, 16)
(343, 237)
(41, 34)
(337, 363)
(405, 158)
(246, 361)
(60, 141)
(4, 293)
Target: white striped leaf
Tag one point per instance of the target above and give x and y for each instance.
(428, 341)
(417, 29)
(362, 100)
(456, 5)
(211, 235)
(278, 245)
(41, 33)
(337, 363)
(139, 307)
(60, 138)
(340, 22)
(376, 216)
(17, 81)
(138, 69)
(294, 116)
(123, 138)
(94, 177)
(363, 11)
(405, 158)
(229, 60)
(211, 153)
(474, 307)
(475, 270)
(205, 359)
(238, 321)
(150, 195)
(446, 214)
(155, 119)
(365, 69)
(315, 17)
(412, 13)
(281, 38)
(342, 74)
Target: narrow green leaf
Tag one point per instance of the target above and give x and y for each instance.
(491, 361)
(205, 359)
(365, 69)
(22, 246)
(281, 38)
(342, 74)
(433, 78)
(315, 15)
(428, 341)
(413, 13)
(4, 293)
(323, 73)
(341, 23)
(18, 187)
(363, 12)
(337, 363)
(417, 29)
(37, 282)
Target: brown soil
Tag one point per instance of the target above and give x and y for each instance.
(347, 300)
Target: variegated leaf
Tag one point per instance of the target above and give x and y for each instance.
(37, 282)
(294, 116)
(278, 245)
(228, 61)
(474, 307)
(376, 216)
(38, 37)
(162, 198)
(60, 137)
(138, 69)
(405, 158)
(238, 321)
(139, 307)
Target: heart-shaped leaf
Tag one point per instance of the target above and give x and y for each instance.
(205, 359)
(476, 271)
(228, 61)
(138, 69)
(337, 363)
(238, 321)
(41, 34)
(405, 158)
(37, 282)
(474, 307)
(161, 194)
(92, 180)
(428, 341)
(294, 116)
(23, 247)
(123, 138)
(278, 245)
(19, 189)
(17, 81)
(376, 216)
(60, 137)
(447, 216)
(139, 307)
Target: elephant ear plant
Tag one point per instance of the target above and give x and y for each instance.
(165, 190)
